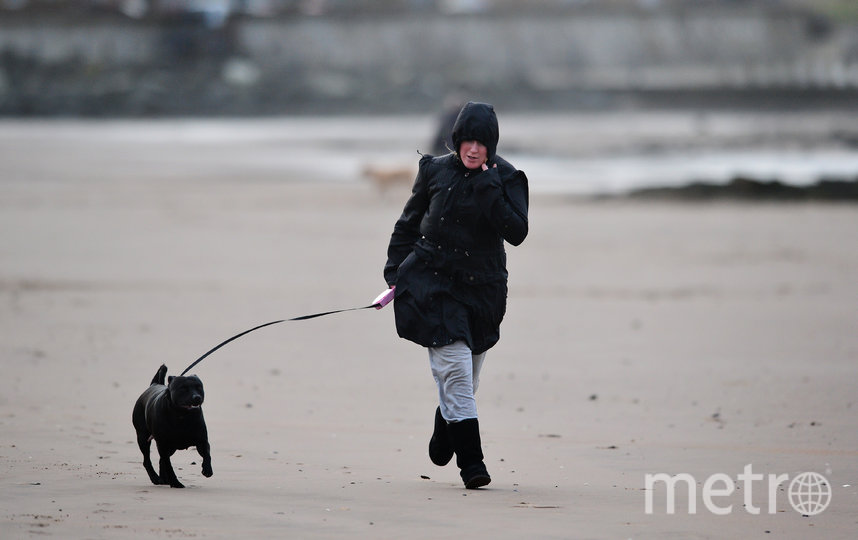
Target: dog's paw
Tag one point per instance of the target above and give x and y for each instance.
(176, 484)
(207, 472)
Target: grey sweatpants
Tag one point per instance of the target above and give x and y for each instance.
(457, 373)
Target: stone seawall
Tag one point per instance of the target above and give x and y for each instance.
(264, 66)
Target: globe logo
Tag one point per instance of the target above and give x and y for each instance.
(809, 493)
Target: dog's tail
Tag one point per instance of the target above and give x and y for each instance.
(160, 377)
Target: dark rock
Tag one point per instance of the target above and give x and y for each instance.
(747, 189)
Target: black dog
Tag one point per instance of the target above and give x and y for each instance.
(172, 415)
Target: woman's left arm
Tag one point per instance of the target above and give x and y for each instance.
(504, 202)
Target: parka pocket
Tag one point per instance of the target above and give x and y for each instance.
(404, 269)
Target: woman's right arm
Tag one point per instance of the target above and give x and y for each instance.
(406, 231)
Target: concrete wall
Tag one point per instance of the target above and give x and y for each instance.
(593, 50)
(417, 59)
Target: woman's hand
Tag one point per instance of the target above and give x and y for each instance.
(486, 167)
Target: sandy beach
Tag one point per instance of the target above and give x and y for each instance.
(641, 338)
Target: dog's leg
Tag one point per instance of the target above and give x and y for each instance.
(203, 449)
(168, 475)
(144, 442)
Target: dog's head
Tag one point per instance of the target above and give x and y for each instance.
(186, 392)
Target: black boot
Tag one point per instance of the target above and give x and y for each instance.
(440, 448)
(465, 436)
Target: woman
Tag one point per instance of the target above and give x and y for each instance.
(447, 264)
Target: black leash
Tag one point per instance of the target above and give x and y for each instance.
(377, 305)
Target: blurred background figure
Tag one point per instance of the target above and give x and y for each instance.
(442, 142)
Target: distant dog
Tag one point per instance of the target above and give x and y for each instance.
(386, 177)
(172, 415)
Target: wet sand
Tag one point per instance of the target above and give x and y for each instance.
(640, 338)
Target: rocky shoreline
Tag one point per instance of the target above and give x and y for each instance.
(749, 189)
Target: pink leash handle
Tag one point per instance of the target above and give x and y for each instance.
(384, 298)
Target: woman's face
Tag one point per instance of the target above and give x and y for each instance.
(473, 154)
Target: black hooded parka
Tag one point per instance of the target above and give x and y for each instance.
(446, 255)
